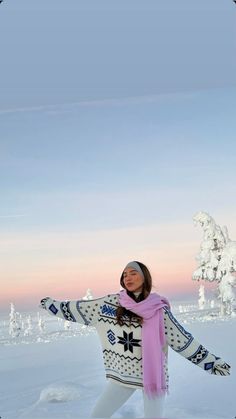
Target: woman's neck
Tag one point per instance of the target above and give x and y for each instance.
(137, 294)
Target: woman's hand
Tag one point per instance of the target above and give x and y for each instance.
(221, 368)
(43, 302)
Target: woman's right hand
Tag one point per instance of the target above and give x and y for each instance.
(43, 302)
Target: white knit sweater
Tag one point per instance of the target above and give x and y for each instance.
(121, 345)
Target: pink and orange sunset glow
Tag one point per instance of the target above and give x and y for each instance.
(64, 266)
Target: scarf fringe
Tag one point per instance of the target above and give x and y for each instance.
(152, 392)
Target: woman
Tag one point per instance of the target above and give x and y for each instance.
(136, 327)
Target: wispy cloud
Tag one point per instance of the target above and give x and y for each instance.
(13, 215)
(66, 107)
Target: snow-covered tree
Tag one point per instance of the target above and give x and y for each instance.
(216, 259)
(22, 324)
(212, 303)
(29, 329)
(14, 323)
(67, 325)
(201, 300)
(226, 293)
(88, 295)
(41, 324)
(183, 309)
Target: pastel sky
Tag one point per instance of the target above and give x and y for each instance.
(93, 175)
(87, 188)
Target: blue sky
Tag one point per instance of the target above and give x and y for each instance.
(90, 164)
(55, 51)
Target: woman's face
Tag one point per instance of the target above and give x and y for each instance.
(133, 280)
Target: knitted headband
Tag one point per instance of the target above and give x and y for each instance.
(136, 266)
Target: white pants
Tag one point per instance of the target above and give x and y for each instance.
(115, 395)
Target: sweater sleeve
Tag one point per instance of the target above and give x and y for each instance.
(182, 342)
(86, 312)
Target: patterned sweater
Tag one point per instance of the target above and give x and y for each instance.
(121, 345)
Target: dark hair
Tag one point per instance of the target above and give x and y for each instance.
(147, 286)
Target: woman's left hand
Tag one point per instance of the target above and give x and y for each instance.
(221, 368)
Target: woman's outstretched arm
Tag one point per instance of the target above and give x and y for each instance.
(81, 311)
(182, 341)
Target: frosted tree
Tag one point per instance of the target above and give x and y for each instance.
(216, 259)
(201, 300)
(88, 295)
(67, 325)
(182, 309)
(14, 323)
(41, 324)
(22, 324)
(227, 294)
(28, 329)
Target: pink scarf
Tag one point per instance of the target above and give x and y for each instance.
(153, 340)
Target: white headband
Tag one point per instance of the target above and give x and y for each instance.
(136, 266)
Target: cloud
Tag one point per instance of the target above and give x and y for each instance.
(13, 216)
(132, 100)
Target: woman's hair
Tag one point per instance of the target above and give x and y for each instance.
(147, 286)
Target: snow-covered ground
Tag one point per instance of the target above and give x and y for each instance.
(59, 373)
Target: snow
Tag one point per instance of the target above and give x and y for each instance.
(58, 373)
(59, 393)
